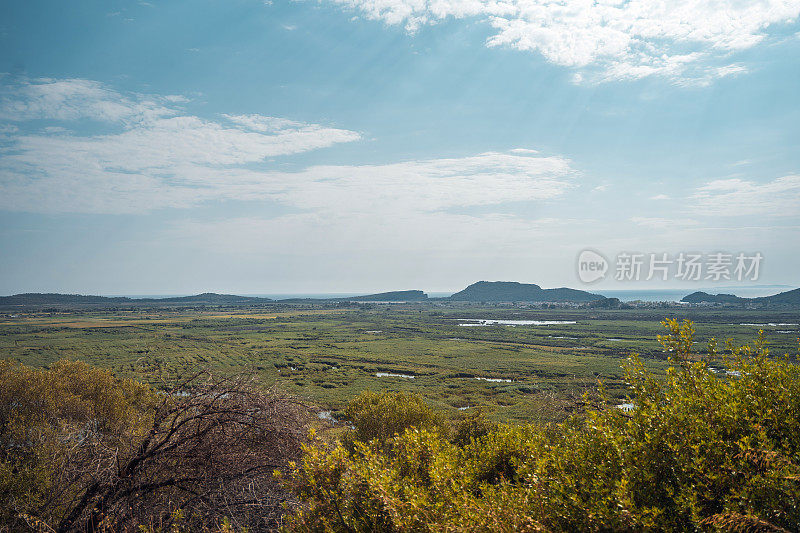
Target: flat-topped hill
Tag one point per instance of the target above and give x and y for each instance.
(512, 291)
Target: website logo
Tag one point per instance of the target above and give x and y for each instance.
(592, 266)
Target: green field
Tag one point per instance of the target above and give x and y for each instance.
(329, 355)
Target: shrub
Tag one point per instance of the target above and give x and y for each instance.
(381, 416)
(471, 426)
(700, 451)
(82, 450)
(56, 429)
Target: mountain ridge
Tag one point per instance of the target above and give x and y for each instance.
(206, 298)
(481, 291)
(54, 298)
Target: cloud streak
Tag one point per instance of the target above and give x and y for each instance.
(738, 197)
(75, 99)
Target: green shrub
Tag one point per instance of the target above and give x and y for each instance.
(471, 426)
(381, 416)
(700, 451)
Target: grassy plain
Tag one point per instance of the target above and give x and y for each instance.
(329, 355)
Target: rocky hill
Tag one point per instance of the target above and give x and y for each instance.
(512, 291)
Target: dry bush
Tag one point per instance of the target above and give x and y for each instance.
(208, 448)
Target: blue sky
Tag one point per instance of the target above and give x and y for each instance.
(363, 145)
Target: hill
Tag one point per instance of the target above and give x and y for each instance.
(512, 291)
(55, 299)
(393, 296)
(206, 298)
(704, 297)
(38, 298)
(791, 297)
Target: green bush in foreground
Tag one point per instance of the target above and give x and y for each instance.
(714, 446)
(379, 416)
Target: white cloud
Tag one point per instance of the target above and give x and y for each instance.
(262, 123)
(115, 176)
(74, 99)
(407, 208)
(158, 158)
(662, 223)
(686, 40)
(735, 197)
(169, 159)
(167, 143)
(427, 185)
(660, 197)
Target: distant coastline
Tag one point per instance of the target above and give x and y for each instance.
(477, 292)
(624, 295)
(675, 295)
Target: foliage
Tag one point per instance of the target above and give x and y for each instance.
(82, 450)
(471, 425)
(713, 446)
(55, 427)
(380, 416)
(331, 355)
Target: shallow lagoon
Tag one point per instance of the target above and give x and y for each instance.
(489, 322)
(393, 375)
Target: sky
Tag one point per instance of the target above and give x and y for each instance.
(256, 147)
